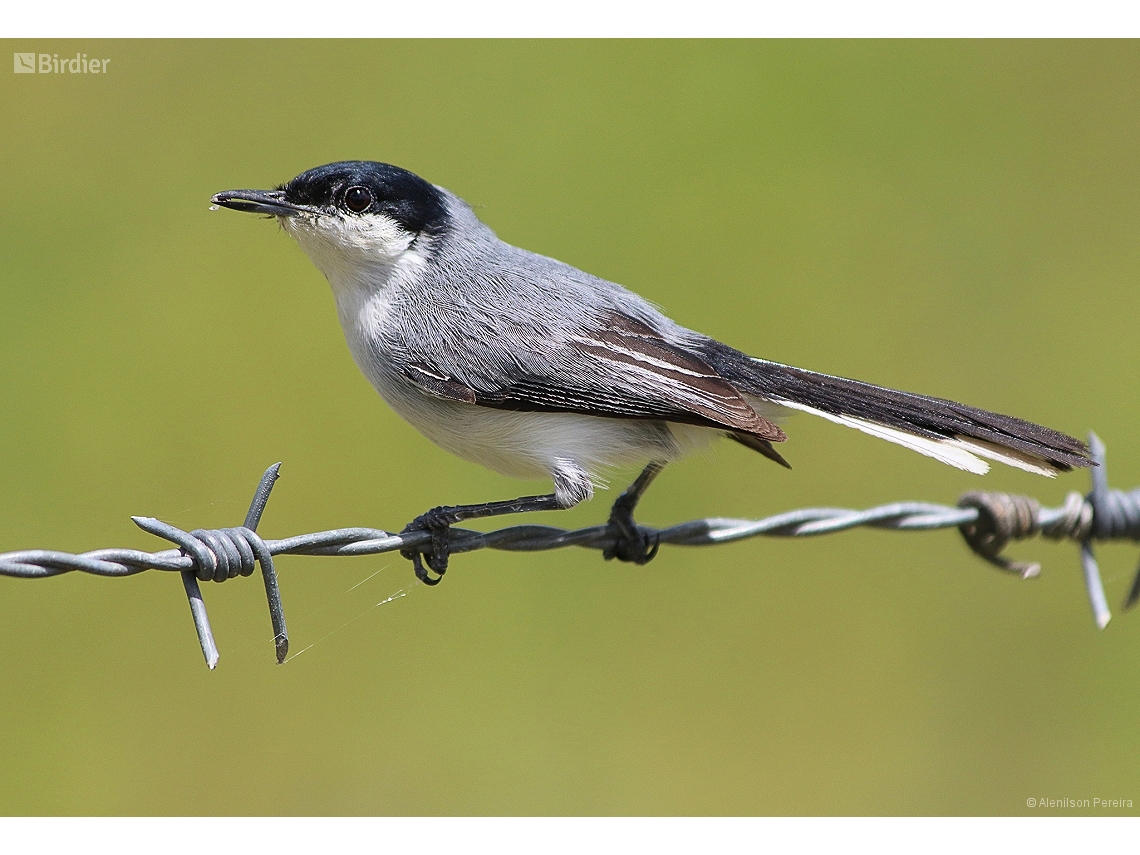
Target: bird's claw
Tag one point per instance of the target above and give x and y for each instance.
(631, 542)
(437, 521)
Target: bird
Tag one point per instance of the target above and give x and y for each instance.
(536, 369)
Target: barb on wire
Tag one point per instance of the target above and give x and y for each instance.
(987, 521)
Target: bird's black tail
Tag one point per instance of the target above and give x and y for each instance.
(951, 432)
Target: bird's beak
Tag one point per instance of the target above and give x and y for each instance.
(270, 202)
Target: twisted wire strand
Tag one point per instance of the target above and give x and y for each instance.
(198, 555)
(987, 521)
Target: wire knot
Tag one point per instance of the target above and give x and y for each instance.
(1104, 514)
(1074, 520)
(227, 552)
(215, 554)
(1002, 517)
(222, 553)
(1117, 514)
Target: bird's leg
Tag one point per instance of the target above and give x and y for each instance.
(632, 544)
(439, 520)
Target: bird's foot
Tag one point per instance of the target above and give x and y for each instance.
(631, 543)
(437, 521)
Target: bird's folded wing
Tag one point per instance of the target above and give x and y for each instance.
(622, 369)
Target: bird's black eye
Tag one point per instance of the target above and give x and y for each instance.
(357, 199)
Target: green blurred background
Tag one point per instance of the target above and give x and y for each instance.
(955, 218)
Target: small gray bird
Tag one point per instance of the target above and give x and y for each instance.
(536, 369)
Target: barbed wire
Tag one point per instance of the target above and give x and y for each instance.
(987, 521)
